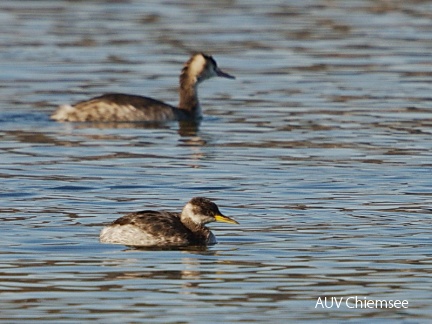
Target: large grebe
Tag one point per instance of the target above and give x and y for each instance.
(166, 229)
(117, 107)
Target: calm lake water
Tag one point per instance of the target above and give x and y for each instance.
(321, 149)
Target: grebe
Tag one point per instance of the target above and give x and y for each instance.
(117, 107)
(167, 229)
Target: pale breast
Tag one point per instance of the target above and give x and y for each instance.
(134, 236)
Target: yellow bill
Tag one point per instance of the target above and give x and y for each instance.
(225, 219)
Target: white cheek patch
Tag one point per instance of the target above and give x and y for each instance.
(188, 211)
(197, 65)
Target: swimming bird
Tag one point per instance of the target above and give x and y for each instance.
(167, 229)
(118, 107)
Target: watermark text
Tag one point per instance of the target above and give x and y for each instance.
(360, 302)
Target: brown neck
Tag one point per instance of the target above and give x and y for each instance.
(189, 97)
(201, 233)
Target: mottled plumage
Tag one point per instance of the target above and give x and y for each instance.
(117, 107)
(162, 228)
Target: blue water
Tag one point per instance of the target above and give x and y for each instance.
(320, 149)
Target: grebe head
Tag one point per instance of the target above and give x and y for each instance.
(201, 211)
(201, 67)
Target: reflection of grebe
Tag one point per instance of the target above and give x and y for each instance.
(116, 107)
(161, 228)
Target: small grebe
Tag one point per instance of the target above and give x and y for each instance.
(117, 107)
(165, 229)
